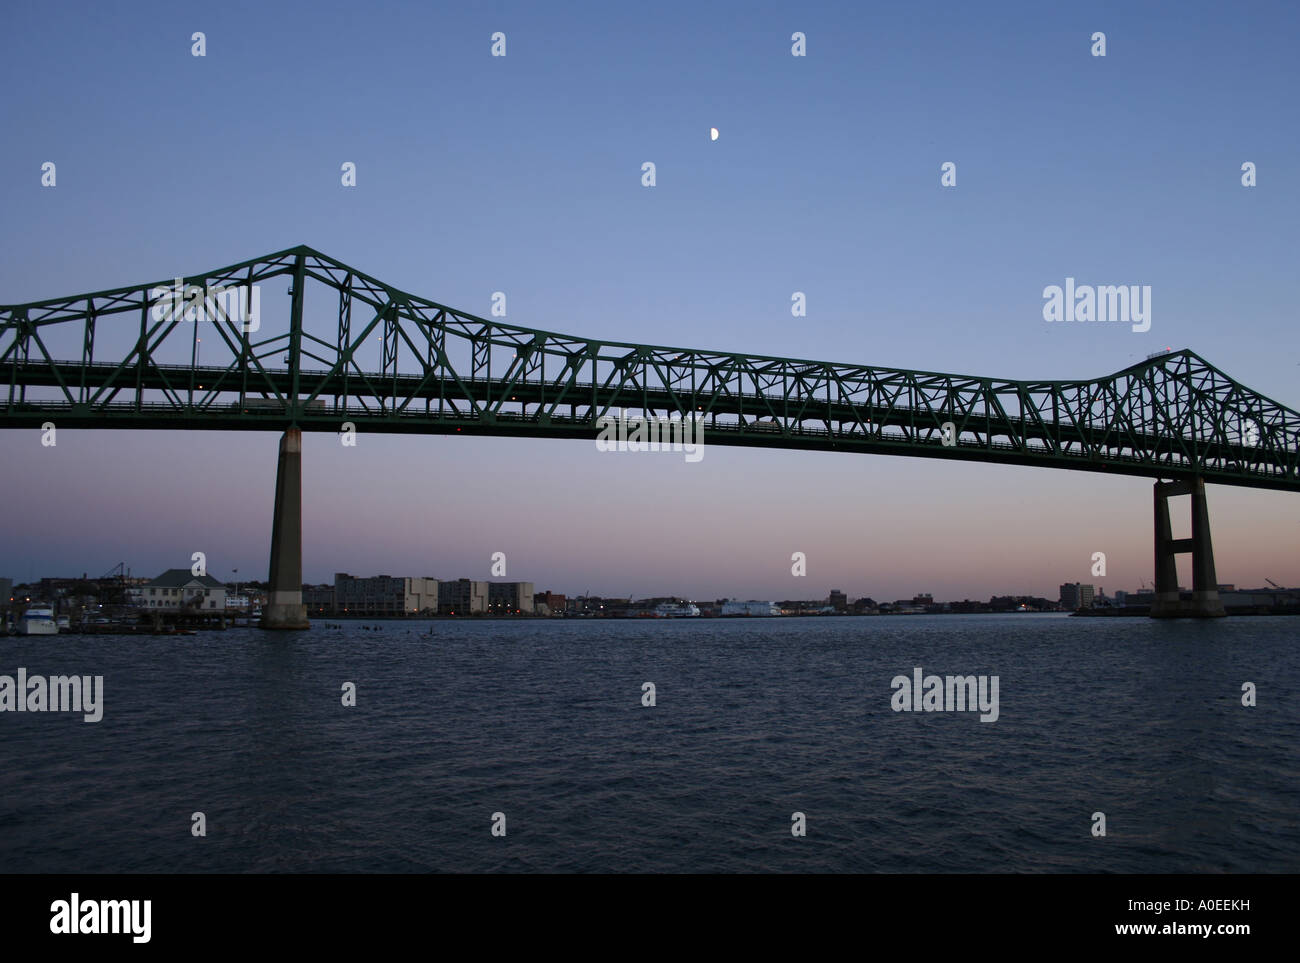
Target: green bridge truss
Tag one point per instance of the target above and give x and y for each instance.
(328, 344)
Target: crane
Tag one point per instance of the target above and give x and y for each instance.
(113, 584)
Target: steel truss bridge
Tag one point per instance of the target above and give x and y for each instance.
(297, 341)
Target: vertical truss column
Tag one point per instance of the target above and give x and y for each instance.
(284, 608)
(295, 330)
(1168, 602)
(344, 356)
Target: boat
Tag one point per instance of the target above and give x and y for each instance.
(673, 610)
(64, 623)
(38, 620)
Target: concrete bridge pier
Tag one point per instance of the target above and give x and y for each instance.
(1168, 603)
(284, 608)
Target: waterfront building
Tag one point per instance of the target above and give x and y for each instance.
(376, 595)
(903, 607)
(180, 589)
(510, 598)
(549, 603)
(462, 597)
(421, 595)
(1275, 599)
(751, 608)
(318, 599)
(1075, 595)
(384, 595)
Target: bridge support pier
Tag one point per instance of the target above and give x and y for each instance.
(284, 608)
(1168, 603)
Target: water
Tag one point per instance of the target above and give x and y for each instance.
(756, 719)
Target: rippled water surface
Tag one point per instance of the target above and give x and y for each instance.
(756, 719)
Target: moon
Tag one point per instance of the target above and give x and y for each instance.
(713, 133)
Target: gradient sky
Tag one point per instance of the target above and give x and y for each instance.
(522, 174)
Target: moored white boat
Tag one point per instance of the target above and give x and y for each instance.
(38, 620)
(669, 610)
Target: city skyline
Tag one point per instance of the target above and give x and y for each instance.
(797, 587)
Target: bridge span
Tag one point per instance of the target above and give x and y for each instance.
(297, 341)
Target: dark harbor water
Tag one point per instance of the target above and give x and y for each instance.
(755, 720)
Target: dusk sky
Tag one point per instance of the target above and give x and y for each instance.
(522, 174)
